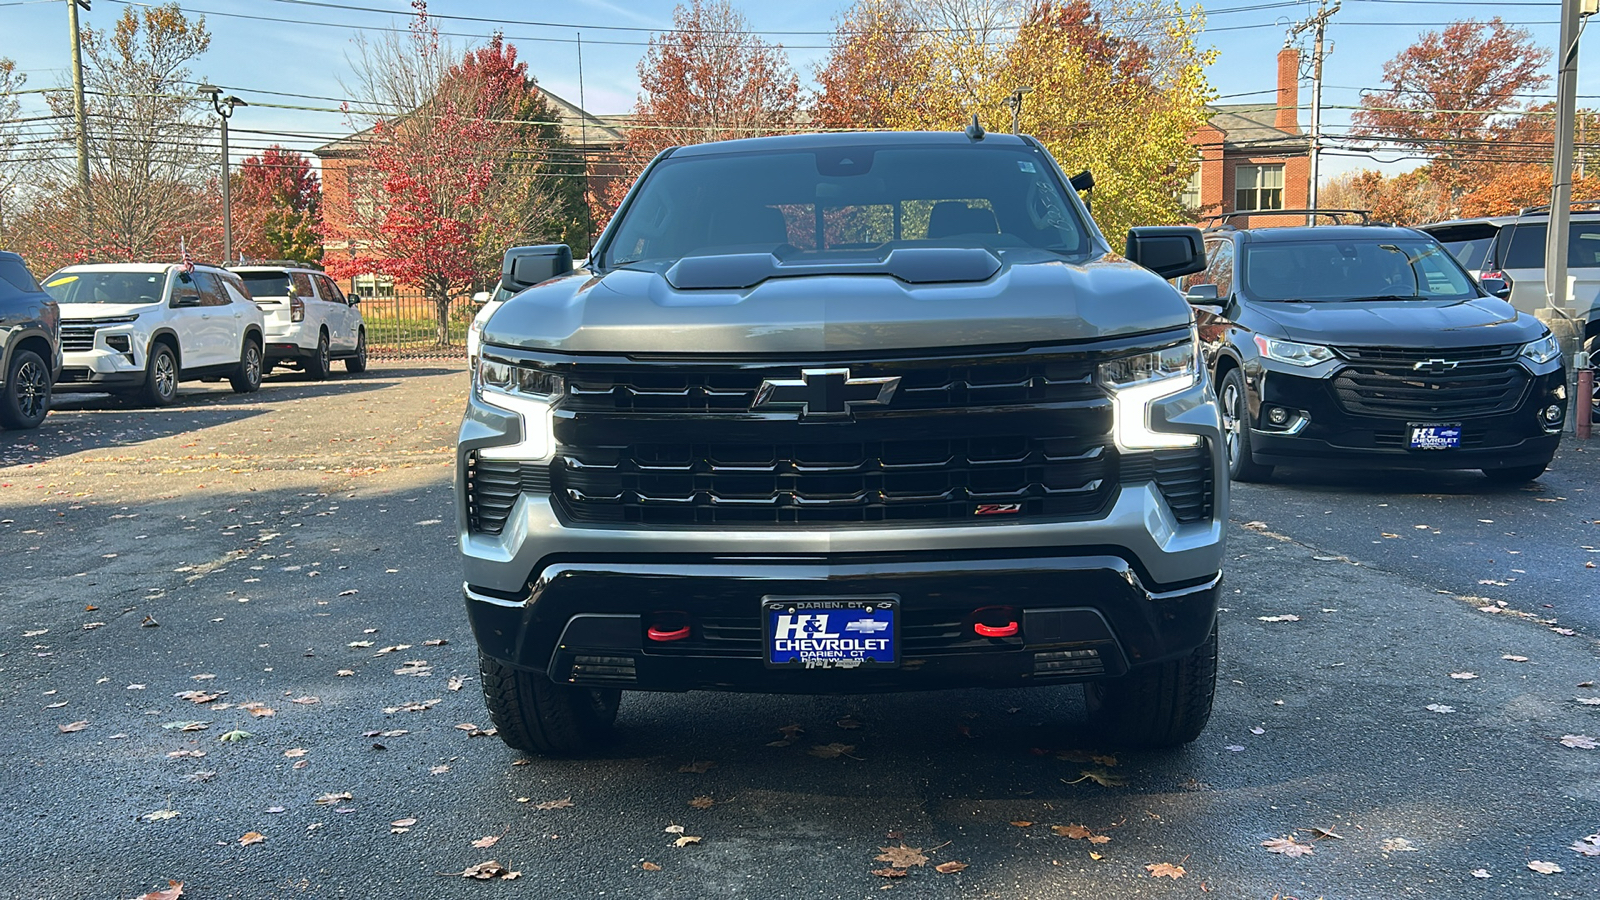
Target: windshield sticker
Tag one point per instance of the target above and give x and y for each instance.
(1026, 166)
(65, 279)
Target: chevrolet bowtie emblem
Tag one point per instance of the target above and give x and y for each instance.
(1435, 366)
(825, 393)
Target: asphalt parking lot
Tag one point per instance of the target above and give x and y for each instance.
(292, 552)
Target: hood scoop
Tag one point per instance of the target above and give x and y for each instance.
(912, 265)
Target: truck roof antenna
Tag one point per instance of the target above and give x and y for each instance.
(974, 130)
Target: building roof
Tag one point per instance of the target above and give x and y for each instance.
(578, 128)
(1250, 125)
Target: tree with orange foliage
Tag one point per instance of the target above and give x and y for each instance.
(1409, 198)
(1448, 91)
(707, 79)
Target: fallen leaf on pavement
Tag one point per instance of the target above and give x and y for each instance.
(487, 841)
(251, 837)
(698, 767)
(1480, 873)
(1164, 870)
(70, 727)
(1324, 833)
(947, 868)
(563, 803)
(889, 873)
(328, 799)
(1579, 741)
(436, 642)
(1439, 708)
(486, 871)
(1076, 832)
(1545, 868)
(673, 829)
(159, 815)
(1514, 657)
(295, 752)
(412, 706)
(1588, 701)
(1290, 617)
(833, 751)
(173, 891)
(1100, 777)
(902, 857)
(1021, 823)
(1463, 676)
(394, 649)
(791, 733)
(1288, 847)
(649, 866)
(1587, 846)
(702, 802)
(849, 722)
(234, 735)
(686, 840)
(306, 701)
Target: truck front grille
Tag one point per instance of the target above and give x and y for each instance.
(844, 482)
(1183, 476)
(1430, 384)
(494, 485)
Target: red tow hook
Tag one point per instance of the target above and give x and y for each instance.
(677, 634)
(995, 631)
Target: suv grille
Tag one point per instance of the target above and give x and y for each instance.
(77, 336)
(729, 483)
(1398, 383)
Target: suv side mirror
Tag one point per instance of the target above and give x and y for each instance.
(355, 299)
(524, 267)
(187, 298)
(481, 297)
(1167, 250)
(1201, 293)
(1496, 287)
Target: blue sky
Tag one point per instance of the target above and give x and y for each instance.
(283, 50)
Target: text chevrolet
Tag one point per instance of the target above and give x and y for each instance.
(844, 413)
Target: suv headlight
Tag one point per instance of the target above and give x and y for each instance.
(1139, 380)
(1293, 352)
(1541, 351)
(530, 392)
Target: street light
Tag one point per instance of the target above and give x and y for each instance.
(1015, 102)
(224, 107)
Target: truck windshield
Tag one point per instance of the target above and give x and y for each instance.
(266, 284)
(106, 287)
(1345, 269)
(801, 203)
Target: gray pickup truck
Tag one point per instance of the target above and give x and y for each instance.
(843, 413)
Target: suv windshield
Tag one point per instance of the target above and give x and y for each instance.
(1345, 269)
(106, 287)
(266, 284)
(803, 203)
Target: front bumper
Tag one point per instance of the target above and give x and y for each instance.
(102, 369)
(1329, 435)
(1081, 616)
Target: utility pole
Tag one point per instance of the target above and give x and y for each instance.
(1555, 314)
(1015, 102)
(1318, 26)
(81, 122)
(224, 107)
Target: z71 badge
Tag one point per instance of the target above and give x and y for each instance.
(997, 509)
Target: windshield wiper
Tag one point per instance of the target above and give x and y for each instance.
(1387, 297)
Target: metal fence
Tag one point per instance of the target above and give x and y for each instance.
(405, 325)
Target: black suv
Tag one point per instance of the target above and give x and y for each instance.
(840, 413)
(30, 345)
(1369, 345)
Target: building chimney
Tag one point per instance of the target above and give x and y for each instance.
(1288, 117)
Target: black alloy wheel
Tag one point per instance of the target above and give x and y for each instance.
(26, 400)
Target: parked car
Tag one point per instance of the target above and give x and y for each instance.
(488, 302)
(1511, 249)
(309, 321)
(837, 413)
(1369, 345)
(138, 329)
(30, 345)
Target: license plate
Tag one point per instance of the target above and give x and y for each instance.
(1435, 437)
(831, 632)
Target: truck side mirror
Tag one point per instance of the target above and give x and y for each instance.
(1201, 293)
(1496, 287)
(524, 267)
(1167, 250)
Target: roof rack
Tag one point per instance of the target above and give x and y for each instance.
(1223, 220)
(1545, 208)
(277, 263)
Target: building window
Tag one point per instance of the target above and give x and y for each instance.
(1190, 198)
(1258, 187)
(375, 287)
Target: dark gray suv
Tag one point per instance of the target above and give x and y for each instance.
(845, 413)
(30, 345)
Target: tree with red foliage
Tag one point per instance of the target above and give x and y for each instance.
(456, 177)
(708, 79)
(1447, 93)
(277, 207)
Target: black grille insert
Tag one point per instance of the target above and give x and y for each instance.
(77, 337)
(1183, 476)
(1430, 383)
(494, 485)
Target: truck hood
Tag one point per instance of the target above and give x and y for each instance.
(104, 310)
(1390, 323)
(1030, 297)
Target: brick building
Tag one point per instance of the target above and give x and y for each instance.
(350, 188)
(1254, 155)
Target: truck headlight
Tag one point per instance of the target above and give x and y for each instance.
(1137, 381)
(1293, 352)
(530, 392)
(1541, 351)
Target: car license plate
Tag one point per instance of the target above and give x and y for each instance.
(831, 632)
(1435, 437)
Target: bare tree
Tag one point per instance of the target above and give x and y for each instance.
(11, 166)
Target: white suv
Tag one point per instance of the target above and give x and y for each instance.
(310, 322)
(140, 328)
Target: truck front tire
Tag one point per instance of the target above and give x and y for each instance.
(535, 714)
(1157, 706)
